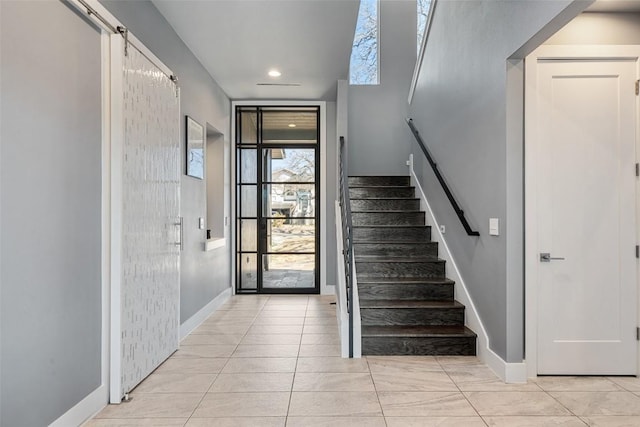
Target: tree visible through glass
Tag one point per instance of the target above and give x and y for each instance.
(423, 13)
(363, 67)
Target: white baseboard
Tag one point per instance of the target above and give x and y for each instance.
(328, 290)
(85, 409)
(196, 320)
(508, 372)
(98, 399)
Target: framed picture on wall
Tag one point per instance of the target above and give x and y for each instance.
(195, 149)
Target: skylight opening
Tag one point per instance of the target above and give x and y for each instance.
(423, 13)
(364, 63)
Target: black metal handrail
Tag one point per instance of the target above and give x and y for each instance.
(441, 180)
(347, 228)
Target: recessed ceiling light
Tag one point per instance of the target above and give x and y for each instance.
(274, 73)
(292, 125)
(273, 84)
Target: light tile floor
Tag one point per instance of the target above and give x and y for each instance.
(274, 361)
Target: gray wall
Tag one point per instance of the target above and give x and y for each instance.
(460, 107)
(204, 275)
(600, 28)
(379, 140)
(50, 197)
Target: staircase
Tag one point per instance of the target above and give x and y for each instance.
(406, 302)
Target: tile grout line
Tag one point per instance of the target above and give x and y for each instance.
(199, 373)
(222, 368)
(375, 389)
(286, 416)
(201, 400)
(460, 390)
(312, 312)
(295, 371)
(583, 420)
(559, 403)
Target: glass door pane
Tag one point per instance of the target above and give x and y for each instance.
(247, 166)
(291, 235)
(247, 125)
(288, 271)
(289, 260)
(247, 238)
(247, 272)
(277, 209)
(290, 165)
(287, 200)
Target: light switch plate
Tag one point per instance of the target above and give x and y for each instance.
(494, 227)
(201, 223)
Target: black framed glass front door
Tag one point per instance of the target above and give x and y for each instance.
(277, 199)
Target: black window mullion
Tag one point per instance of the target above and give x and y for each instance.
(260, 183)
(259, 198)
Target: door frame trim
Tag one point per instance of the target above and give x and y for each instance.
(557, 52)
(323, 238)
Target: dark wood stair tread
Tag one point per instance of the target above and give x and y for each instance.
(372, 303)
(406, 280)
(391, 226)
(382, 198)
(387, 211)
(417, 331)
(379, 186)
(402, 259)
(394, 242)
(407, 304)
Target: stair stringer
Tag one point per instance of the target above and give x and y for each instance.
(507, 372)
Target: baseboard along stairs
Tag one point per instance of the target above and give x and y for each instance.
(407, 304)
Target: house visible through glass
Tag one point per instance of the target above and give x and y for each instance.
(278, 199)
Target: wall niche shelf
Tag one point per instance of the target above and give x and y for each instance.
(215, 243)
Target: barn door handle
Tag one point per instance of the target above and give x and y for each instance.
(546, 257)
(180, 225)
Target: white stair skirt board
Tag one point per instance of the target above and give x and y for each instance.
(196, 320)
(341, 293)
(341, 299)
(85, 409)
(508, 372)
(357, 325)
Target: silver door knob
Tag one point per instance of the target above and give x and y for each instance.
(546, 257)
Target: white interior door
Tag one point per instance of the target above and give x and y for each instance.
(146, 203)
(586, 126)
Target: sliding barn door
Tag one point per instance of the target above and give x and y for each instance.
(146, 210)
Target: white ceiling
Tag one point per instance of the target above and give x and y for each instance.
(614, 6)
(239, 41)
